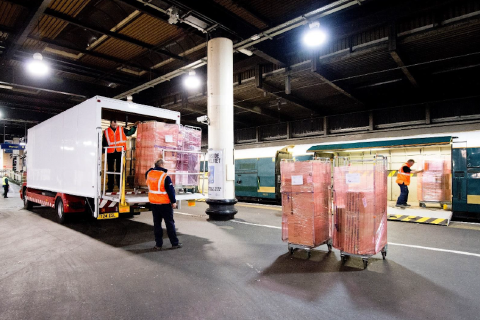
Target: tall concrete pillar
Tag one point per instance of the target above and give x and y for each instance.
(221, 165)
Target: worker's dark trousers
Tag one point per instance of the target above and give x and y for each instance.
(114, 161)
(165, 212)
(5, 191)
(403, 198)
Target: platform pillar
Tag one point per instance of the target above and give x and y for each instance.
(221, 165)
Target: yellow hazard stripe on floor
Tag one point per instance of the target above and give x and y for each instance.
(416, 219)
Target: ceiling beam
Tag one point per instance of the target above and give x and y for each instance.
(118, 36)
(250, 107)
(36, 11)
(245, 6)
(69, 66)
(230, 22)
(392, 47)
(35, 102)
(92, 53)
(216, 12)
(326, 76)
(280, 93)
(14, 76)
(245, 106)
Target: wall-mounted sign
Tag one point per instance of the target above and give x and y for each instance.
(8, 146)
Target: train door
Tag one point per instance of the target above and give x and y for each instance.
(266, 178)
(246, 178)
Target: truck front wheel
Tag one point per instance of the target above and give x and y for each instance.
(26, 204)
(60, 211)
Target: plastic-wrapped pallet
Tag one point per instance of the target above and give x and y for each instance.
(360, 202)
(189, 162)
(305, 204)
(434, 184)
(153, 138)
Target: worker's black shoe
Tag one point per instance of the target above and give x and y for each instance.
(178, 246)
(401, 206)
(157, 248)
(407, 205)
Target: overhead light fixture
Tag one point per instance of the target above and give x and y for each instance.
(37, 67)
(315, 36)
(192, 81)
(6, 87)
(246, 52)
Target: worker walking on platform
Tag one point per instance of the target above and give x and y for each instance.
(116, 138)
(5, 185)
(403, 181)
(161, 195)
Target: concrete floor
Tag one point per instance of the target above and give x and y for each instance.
(227, 270)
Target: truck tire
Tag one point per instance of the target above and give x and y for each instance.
(60, 211)
(28, 205)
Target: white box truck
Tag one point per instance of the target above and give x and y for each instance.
(64, 160)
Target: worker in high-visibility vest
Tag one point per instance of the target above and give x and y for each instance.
(115, 137)
(403, 181)
(161, 195)
(5, 185)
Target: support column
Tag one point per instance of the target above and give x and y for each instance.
(221, 165)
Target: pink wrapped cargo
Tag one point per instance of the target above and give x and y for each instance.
(305, 202)
(154, 137)
(360, 209)
(434, 184)
(189, 162)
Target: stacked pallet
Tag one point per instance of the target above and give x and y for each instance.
(360, 220)
(154, 137)
(305, 194)
(434, 184)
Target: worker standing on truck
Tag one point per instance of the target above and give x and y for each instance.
(403, 181)
(116, 137)
(161, 195)
(5, 185)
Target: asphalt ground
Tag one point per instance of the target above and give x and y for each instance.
(236, 269)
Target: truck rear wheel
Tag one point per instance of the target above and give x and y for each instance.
(28, 205)
(60, 211)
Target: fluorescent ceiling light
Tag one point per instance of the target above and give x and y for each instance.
(246, 52)
(6, 87)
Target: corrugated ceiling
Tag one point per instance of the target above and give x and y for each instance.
(10, 14)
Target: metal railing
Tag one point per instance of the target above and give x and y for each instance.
(17, 177)
(199, 174)
(106, 173)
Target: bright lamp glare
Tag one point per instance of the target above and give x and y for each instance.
(37, 68)
(314, 37)
(192, 82)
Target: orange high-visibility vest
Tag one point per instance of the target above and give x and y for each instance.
(156, 187)
(116, 139)
(402, 176)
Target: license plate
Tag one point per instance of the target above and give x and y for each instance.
(110, 215)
